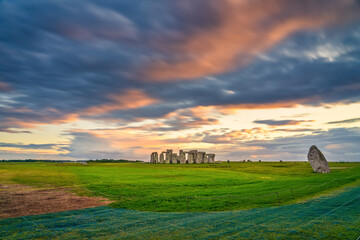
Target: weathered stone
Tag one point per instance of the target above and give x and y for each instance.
(204, 158)
(162, 159)
(154, 157)
(200, 157)
(182, 159)
(317, 160)
(191, 157)
(211, 158)
(168, 156)
(151, 158)
(173, 158)
(194, 152)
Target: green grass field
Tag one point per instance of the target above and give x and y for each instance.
(334, 216)
(193, 188)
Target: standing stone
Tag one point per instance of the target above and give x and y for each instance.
(317, 160)
(151, 158)
(200, 157)
(162, 160)
(194, 155)
(168, 156)
(211, 158)
(173, 158)
(154, 157)
(204, 158)
(191, 157)
(182, 159)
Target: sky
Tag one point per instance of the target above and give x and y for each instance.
(244, 79)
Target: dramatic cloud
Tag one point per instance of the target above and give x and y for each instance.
(163, 67)
(230, 33)
(128, 99)
(78, 58)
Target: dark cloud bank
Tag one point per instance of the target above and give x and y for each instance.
(69, 56)
(58, 58)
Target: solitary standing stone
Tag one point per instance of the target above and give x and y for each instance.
(317, 160)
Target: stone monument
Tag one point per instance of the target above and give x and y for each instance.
(154, 157)
(184, 157)
(317, 160)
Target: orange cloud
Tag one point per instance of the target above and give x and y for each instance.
(17, 123)
(232, 108)
(129, 99)
(243, 30)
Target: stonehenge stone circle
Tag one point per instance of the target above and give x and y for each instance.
(317, 160)
(192, 156)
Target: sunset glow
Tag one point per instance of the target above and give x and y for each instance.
(241, 79)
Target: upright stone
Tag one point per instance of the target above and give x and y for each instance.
(212, 158)
(194, 154)
(151, 158)
(204, 158)
(182, 159)
(168, 156)
(200, 157)
(317, 160)
(154, 157)
(191, 158)
(162, 159)
(174, 158)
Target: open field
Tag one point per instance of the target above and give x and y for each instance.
(180, 188)
(281, 201)
(328, 217)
